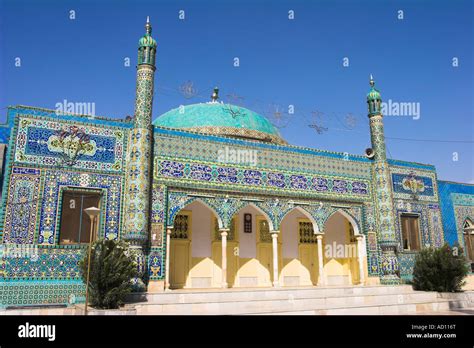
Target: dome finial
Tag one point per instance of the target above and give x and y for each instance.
(372, 82)
(215, 95)
(148, 25)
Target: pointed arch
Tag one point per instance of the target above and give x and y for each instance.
(211, 208)
(468, 224)
(349, 217)
(183, 202)
(175, 204)
(305, 213)
(261, 211)
(468, 238)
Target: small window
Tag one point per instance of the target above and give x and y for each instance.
(247, 223)
(410, 232)
(181, 227)
(75, 223)
(306, 233)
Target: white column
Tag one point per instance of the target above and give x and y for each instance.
(275, 258)
(167, 266)
(322, 278)
(360, 245)
(224, 257)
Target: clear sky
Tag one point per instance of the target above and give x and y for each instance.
(283, 62)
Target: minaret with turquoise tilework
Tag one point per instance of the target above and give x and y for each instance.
(383, 190)
(139, 156)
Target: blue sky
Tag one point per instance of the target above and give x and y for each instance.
(282, 62)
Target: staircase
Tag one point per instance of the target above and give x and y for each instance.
(340, 300)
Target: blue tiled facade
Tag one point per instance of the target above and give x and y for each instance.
(457, 204)
(147, 173)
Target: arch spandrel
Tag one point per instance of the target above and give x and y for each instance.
(225, 208)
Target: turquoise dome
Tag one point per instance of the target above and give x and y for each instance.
(220, 119)
(147, 41)
(373, 94)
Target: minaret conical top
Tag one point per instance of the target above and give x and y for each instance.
(148, 25)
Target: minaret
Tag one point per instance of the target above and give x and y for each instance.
(139, 156)
(383, 190)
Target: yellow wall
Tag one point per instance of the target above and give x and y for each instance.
(302, 269)
(340, 270)
(180, 257)
(469, 283)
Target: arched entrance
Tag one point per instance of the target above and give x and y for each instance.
(344, 250)
(193, 264)
(300, 265)
(254, 251)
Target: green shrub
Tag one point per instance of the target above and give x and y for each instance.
(441, 270)
(112, 267)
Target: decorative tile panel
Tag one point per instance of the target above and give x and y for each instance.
(22, 206)
(411, 183)
(172, 171)
(27, 293)
(36, 144)
(407, 263)
(156, 264)
(44, 263)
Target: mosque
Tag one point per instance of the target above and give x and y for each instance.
(211, 199)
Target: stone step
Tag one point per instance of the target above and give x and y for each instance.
(462, 299)
(406, 308)
(329, 303)
(400, 309)
(232, 295)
